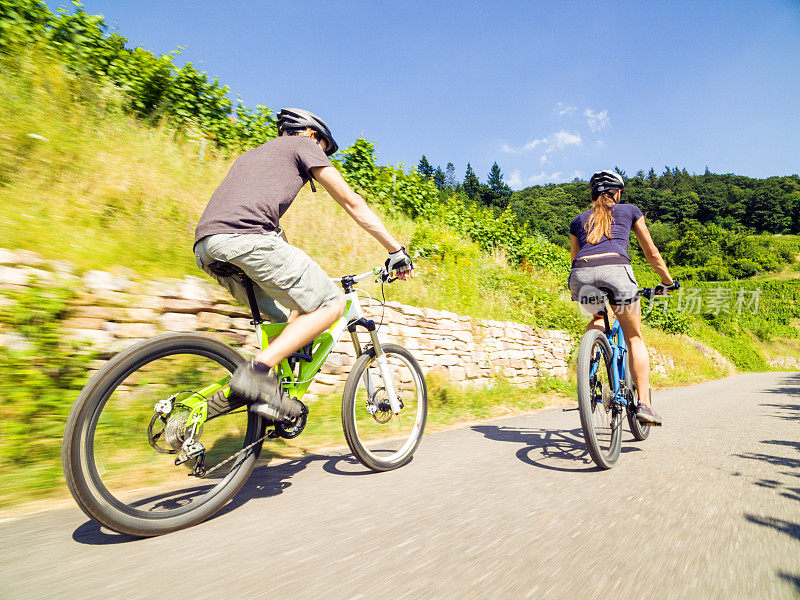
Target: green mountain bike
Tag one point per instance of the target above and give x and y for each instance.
(162, 410)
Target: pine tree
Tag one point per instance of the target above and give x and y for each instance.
(424, 168)
(495, 180)
(450, 176)
(438, 178)
(497, 192)
(472, 186)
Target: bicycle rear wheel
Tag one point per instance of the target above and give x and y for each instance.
(638, 430)
(601, 418)
(119, 454)
(380, 439)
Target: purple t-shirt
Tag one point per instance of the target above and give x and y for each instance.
(623, 218)
(260, 186)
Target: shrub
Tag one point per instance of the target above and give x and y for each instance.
(40, 378)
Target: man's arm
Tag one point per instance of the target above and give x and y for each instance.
(355, 206)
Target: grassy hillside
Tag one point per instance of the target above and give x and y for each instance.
(90, 185)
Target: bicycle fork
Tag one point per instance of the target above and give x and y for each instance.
(383, 366)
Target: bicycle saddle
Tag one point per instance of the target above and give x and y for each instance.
(224, 269)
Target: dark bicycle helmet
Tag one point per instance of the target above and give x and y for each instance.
(291, 120)
(606, 180)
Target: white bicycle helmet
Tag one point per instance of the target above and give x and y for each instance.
(291, 120)
(606, 180)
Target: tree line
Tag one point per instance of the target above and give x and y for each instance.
(494, 193)
(707, 225)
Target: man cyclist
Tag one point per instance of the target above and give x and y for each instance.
(240, 225)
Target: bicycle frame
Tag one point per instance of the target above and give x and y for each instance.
(618, 352)
(297, 385)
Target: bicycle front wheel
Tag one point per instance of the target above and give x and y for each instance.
(601, 418)
(380, 439)
(119, 453)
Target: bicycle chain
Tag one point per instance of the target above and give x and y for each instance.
(232, 456)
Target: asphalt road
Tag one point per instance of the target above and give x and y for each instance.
(708, 507)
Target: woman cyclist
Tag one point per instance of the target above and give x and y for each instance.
(601, 268)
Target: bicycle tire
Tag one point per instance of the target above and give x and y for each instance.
(82, 476)
(357, 445)
(590, 410)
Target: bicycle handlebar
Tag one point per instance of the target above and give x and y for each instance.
(380, 272)
(658, 290)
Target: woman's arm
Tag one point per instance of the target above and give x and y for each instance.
(651, 253)
(354, 205)
(574, 246)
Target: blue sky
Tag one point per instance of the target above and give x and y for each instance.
(549, 90)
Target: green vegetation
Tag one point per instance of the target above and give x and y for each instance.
(152, 87)
(41, 374)
(708, 227)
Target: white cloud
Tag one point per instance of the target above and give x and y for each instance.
(544, 178)
(600, 143)
(557, 141)
(562, 109)
(519, 150)
(562, 139)
(596, 120)
(543, 159)
(515, 181)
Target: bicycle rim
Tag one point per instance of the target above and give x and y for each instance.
(379, 438)
(600, 416)
(115, 472)
(639, 430)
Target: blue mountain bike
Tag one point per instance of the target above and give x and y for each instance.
(606, 391)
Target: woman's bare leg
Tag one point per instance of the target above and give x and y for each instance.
(597, 322)
(630, 319)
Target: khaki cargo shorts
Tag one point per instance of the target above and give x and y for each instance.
(286, 278)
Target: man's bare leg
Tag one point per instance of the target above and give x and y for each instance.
(301, 330)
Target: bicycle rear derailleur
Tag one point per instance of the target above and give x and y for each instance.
(170, 432)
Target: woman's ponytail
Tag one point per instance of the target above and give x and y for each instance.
(599, 222)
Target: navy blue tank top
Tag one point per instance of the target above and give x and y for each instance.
(624, 215)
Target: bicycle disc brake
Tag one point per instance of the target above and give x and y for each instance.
(380, 409)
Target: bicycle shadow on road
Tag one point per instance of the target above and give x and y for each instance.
(265, 481)
(553, 449)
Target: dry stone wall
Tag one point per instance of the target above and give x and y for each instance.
(115, 309)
